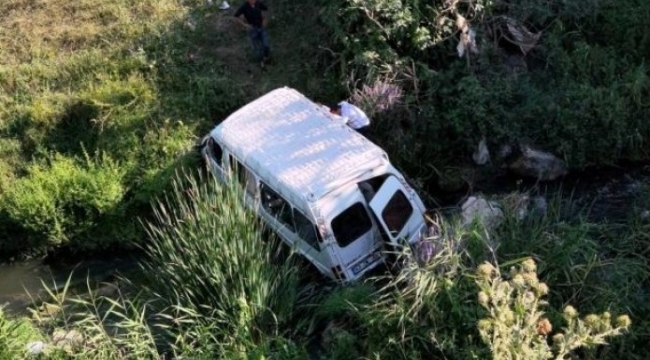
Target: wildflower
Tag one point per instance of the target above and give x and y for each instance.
(518, 280)
(591, 320)
(531, 279)
(570, 312)
(507, 317)
(484, 325)
(529, 266)
(483, 298)
(513, 271)
(542, 289)
(544, 327)
(485, 271)
(623, 321)
(607, 316)
(528, 298)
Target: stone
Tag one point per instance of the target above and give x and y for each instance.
(538, 164)
(482, 155)
(522, 206)
(487, 212)
(539, 206)
(67, 339)
(504, 151)
(35, 348)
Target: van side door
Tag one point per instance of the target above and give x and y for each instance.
(396, 211)
(293, 227)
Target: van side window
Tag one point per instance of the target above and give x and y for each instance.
(351, 224)
(275, 205)
(306, 229)
(245, 178)
(215, 150)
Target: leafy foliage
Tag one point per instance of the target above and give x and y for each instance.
(65, 197)
(575, 94)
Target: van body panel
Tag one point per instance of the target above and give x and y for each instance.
(325, 190)
(291, 140)
(350, 223)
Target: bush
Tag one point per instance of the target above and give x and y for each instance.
(574, 94)
(515, 326)
(63, 198)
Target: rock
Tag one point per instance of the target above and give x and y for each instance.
(35, 348)
(487, 212)
(539, 207)
(517, 205)
(482, 155)
(504, 151)
(538, 164)
(67, 340)
(522, 206)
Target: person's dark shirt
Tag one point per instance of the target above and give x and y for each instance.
(252, 14)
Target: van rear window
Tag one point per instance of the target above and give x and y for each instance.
(397, 212)
(351, 224)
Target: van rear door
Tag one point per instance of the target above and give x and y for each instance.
(396, 212)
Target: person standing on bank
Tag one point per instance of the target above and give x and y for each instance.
(253, 17)
(353, 117)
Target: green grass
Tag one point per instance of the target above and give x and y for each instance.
(213, 286)
(132, 83)
(100, 104)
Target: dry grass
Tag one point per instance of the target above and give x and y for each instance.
(32, 30)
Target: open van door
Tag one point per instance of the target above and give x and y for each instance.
(395, 211)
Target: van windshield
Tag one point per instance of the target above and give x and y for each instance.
(351, 224)
(397, 212)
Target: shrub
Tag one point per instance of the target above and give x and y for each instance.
(574, 94)
(515, 326)
(63, 197)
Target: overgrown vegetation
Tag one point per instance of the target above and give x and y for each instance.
(572, 83)
(214, 288)
(100, 103)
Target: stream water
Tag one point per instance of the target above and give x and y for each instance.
(23, 283)
(608, 193)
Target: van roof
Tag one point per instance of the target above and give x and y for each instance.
(298, 146)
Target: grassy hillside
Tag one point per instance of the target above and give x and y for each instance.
(101, 102)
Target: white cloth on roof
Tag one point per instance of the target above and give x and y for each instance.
(353, 116)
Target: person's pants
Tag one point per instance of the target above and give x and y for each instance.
(260, 41)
